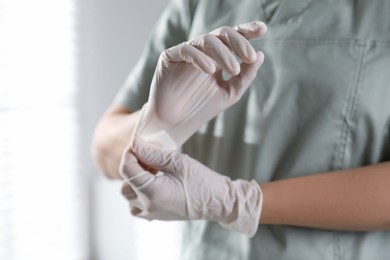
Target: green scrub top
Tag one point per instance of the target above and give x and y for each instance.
(320, 103)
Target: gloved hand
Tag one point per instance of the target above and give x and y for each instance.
(186, 189)
(188, 88)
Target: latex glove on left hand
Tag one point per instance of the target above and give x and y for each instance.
(188, 88)
(187, 190)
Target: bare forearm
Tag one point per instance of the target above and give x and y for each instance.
(112, 135)
(356, 199)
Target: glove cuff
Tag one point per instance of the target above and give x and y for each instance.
(159, 136)
(245, 214)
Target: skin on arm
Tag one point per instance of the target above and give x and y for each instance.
(351, 200)
(111, 136)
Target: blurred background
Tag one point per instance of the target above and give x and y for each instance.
(61, 64)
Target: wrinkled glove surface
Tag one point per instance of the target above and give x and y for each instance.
(188, 87)
(186, 189)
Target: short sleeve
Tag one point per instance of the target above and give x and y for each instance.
(171, 29)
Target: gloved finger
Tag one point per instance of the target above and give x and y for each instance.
(132, 172)
(190, 54)
(167, 161)
(251, 30)
(237, 85)
(212, 46)
(128, 192)
(148, 168)
(236, 43)
(138, 201)
(135, 211)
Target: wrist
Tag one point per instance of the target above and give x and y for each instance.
(245, 208)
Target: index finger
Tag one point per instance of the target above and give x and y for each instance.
(133, 173)
(251, 30)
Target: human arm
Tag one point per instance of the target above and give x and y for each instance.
(111, 136)
(187, 90)
(355, 200)
(115, 126)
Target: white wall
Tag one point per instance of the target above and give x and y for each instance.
(111, 37)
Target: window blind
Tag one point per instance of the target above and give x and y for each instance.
(41, 190)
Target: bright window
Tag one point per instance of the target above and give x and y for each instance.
(42, 202)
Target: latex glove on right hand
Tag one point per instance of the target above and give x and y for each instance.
(188, 88)
(187, 190)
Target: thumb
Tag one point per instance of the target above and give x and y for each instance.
(168, 161)
(241, 82)
(133, 173)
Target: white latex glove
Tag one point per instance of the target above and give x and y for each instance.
(188, 88)
(186, 189)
